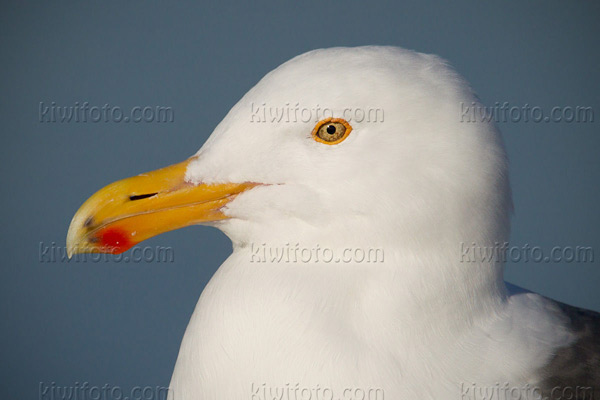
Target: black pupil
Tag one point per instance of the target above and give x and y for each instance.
(331, 129)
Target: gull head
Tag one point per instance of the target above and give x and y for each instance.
(364, 146)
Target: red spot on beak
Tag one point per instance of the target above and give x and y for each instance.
(114, 241)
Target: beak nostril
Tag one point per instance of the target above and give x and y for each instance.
(88, 222)
(141, 196)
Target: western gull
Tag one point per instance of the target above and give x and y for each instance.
(347, 182)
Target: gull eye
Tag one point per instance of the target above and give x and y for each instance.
(331, 131)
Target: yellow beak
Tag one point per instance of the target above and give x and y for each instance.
(131, 210)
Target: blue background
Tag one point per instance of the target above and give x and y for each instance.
(122, 323)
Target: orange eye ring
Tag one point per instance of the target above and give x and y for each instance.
(331, 131)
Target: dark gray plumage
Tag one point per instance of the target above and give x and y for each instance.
(576, 367)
